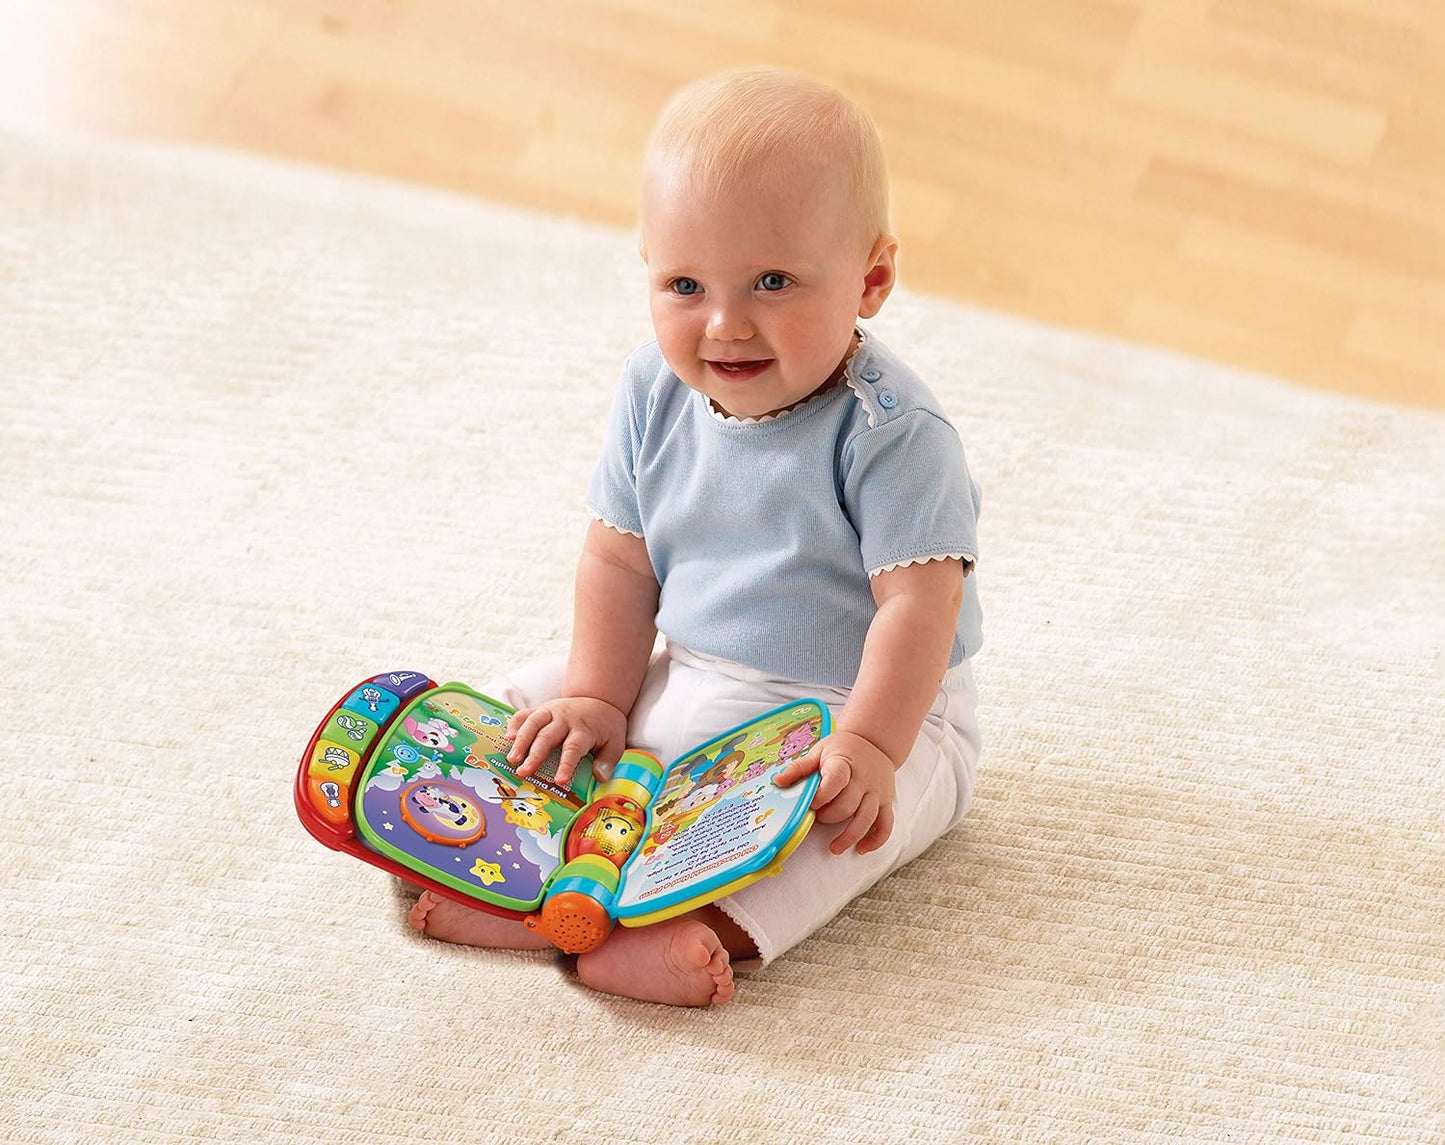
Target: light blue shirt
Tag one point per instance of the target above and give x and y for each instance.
(763, 534)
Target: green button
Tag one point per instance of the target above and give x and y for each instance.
(350, 729)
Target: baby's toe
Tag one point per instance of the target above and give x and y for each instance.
(723, 984)
(424, 906)
(700, 949)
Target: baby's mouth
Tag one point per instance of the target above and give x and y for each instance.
(740, 371)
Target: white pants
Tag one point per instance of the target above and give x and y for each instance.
(688, 697)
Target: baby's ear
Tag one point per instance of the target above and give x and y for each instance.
(880, 277)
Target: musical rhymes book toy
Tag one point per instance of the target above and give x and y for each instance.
(414, 778)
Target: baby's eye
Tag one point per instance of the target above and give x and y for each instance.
(774, 281)
(684, 286)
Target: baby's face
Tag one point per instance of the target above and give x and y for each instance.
(755, 293)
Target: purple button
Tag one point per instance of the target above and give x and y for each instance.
(404, 684)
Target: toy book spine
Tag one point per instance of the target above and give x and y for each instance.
(712, 822)
(576, 913)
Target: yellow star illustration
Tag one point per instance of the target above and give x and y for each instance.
(489, 873)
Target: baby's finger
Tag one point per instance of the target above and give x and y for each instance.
(609, 751)
(837, 773)
(543, 746)
(574, 747)
(525, 732)
(858, 826)
(882, 828)
(539, 747)
(606, 754)
(799, 768)
(845, 806)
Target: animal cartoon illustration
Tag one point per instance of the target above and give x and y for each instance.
(435, 732)
(523, 804)
(754, 769)
(443, 812)
(798, 740)
(528, 808)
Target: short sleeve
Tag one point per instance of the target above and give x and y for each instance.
(907, 489)
(612, 493)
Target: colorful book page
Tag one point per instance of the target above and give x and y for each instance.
(440, 798)
(719, 816)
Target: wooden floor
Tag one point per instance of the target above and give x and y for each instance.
(1261, 182)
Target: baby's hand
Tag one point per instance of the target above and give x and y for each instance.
(579, 723)
(857, 786)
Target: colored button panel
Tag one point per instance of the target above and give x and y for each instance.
(350, 730)
(376, 703)
(404, 684)
(331, 798)
(333, 761)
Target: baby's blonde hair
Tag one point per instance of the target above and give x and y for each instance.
(767, 120)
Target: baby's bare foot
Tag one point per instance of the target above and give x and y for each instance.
(681, 962)
(452, 922)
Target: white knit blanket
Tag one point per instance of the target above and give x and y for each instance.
(266, 431)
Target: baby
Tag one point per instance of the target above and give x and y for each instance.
(785, 501)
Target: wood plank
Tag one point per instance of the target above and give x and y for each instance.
(1257, 181)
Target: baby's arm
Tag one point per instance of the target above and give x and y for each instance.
(904, 660)
(613, 633)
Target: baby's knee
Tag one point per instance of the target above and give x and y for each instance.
(529, 684)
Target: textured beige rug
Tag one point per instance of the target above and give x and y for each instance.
(268, 430)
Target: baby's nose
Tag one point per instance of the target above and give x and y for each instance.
(729, 324)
